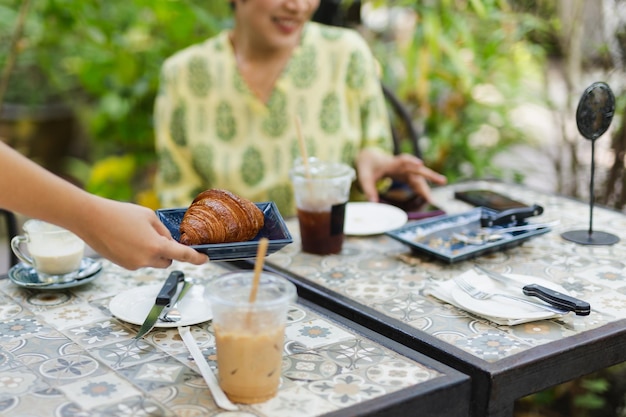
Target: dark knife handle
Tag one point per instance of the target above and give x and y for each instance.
(579, 307)
(514, 215)
(169, 288)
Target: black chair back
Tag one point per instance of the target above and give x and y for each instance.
(11, 228)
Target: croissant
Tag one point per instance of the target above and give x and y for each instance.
(219, 216)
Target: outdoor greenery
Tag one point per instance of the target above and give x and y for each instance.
(455, 70)
(600, 394)
(103, 59)
(463, 69)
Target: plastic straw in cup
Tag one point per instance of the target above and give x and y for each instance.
(303, 152)
(258, 267)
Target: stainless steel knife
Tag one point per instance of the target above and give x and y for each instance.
(162, 300)
(558, 299)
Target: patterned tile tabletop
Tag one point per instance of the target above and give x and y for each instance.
(63, 354)
(383, 274)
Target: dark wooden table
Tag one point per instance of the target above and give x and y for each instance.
(380, 283)
(63, 353)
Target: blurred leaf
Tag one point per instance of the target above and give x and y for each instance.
(455, 46)
(103, 59)
(597, 385)
(589, 401)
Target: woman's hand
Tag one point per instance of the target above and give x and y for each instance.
(373, 165)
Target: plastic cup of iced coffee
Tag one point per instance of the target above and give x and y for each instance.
(321, 191)
(250, 336)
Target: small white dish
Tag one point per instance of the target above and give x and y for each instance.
(501, 307)
(133, 306)
(26, 276)
(366, 219)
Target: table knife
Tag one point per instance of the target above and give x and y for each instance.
(550, 296)
(163, 299)
(506, 217)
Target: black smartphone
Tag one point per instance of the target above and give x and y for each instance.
(489, 199)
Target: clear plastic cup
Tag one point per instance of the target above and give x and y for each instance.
(250, 336)
(321, 190)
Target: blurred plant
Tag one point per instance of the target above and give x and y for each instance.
(462, 67)
(584, 40)
(112, 176)
(103, 59)
(594, 395)
(12, 38)
(23, 63)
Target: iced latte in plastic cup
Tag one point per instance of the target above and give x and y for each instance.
(321, 190)
(250, 336)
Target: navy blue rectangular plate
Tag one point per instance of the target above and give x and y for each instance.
(274, 230)
(434, 237)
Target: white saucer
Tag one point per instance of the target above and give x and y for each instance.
(26, 276)
(365, 218)
(501, 307)
(134, 305)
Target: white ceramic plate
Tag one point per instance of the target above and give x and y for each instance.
(502, 307)
(134, 305)
(363, 219)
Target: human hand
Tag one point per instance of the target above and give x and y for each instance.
(373, 165)
(133, 237)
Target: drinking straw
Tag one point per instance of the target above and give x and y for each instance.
(303, 152)
(258, 267)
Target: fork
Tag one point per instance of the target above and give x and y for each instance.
(484, 295)
(172, 314)
(493, 234)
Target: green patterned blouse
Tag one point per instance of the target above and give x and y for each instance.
(213, 132)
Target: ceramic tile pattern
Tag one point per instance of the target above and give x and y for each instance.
(381, 273)
(62, 354)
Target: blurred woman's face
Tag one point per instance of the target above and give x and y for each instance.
(273, 24)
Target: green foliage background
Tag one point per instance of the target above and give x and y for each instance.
(103, 59)
(464, 68)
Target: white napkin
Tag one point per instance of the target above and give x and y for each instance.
(500, 310)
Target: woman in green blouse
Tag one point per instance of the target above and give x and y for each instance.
(225, 115)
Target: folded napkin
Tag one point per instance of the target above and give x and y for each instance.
(500, 310)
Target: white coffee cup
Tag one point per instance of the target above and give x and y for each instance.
(51, 250)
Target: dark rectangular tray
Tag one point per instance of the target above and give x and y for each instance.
(434, 237)
(274, 229)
